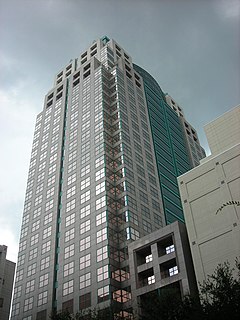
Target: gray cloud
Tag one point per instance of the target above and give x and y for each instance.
(191, 47)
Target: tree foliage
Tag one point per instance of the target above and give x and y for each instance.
(220, 294)
(219, 299)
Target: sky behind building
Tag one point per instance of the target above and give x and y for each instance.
(190, 47)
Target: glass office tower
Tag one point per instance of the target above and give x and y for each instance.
(93, 187)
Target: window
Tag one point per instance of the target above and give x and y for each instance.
(50, 192)
(68, 269)
(147, 226)
(22, 245)
(33, 254)
(99, 149)
(49, 205)
(85, 300)
(34, 239)
(69, 235)
(28, 195)
(43, 280)
(102, 273)
(21, 260)
(46, 247)
(19, 275)
(17, 292)
(143, 197)
(101, 218)
(99, 161)
(85, 243)
(102, 253)
(25, 219)
(100, 203)
(84, 261)
(47, 218)
(132, 233)
(100, 174)
(72, 166)
(38, 200)
(151, 279)
(71, 192)
(102, 235)
(85, 280)
(54, 139)
(50, 181)
(173, 271)
(85, 170)
(52, 169)
(70, 219)
(31, 269)
(71, 205)
(85, 147)
(85, 183)
(85, 135)
(15, 309)
(170, 249)
(85, 226)
(27, 206)
(103, 294)
(42, 298)
(54, 148)
(72, 155)
(24, 232)
(28, 304)
(35, 225)
(44, 263)
(72, 145)
(98, 138)
(85, 197)
(100, 188)
(47, 232)
(85, 211)
(149, 258)
(85, 125)
(71, 179)
(67, 287)
(69, 251)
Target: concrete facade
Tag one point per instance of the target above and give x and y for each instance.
(161, 260)
(210, 197)
(7, 270)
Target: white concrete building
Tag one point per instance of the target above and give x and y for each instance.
(210, 195)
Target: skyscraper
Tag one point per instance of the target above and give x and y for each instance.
(93, 186)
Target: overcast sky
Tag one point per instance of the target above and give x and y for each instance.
(191, 47)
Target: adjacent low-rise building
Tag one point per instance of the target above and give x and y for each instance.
(7, 269)
(210, 196)
(161, 260)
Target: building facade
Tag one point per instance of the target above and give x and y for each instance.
(161, 261)
(210, 197)
(7, 270)
(93, 188)
(175, 144)
(194, 148)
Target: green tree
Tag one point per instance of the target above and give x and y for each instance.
(168, 305)
(219, 297)
(220, 293)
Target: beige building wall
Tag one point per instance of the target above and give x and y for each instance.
(210, 195)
